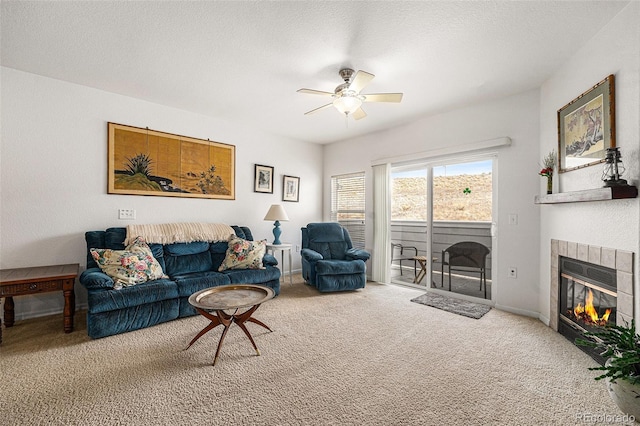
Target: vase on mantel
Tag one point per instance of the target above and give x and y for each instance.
(549, 184)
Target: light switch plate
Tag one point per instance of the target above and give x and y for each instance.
(126, 214)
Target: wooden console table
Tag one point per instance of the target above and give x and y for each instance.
(39, 279)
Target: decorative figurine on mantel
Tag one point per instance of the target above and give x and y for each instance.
(613, 168)
(548, 163)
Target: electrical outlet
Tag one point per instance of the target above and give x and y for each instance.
(513, 219)
(297, 248)
(513, 272)
(126, 214)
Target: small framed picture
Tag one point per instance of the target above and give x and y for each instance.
(587, 127)
(291, 188)
(263, 179)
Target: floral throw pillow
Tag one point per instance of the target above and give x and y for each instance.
(133, 265)
(244, 254)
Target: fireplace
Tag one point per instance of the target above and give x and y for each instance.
(588, 300)
(591, 286)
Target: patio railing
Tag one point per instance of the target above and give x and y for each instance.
(414, 233)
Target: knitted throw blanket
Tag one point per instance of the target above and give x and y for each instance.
(169, 233)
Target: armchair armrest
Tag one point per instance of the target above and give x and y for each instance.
(310, 255)
(269, 260)
(358, 254)
(94, 278)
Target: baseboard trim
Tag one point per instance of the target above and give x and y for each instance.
(517, 311)
(544, 320)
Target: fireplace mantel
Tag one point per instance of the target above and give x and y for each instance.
(599, 194)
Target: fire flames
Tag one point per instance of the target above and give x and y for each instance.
(587, 313)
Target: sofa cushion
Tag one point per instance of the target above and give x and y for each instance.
(244, 254)
(133, 265)
(191, 283)
(114, 238)
(243, 232)
(158, 252)
(218, 252)
(253, 276)
(104, 300)
(185, 258)
(181, 249)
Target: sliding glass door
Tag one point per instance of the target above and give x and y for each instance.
(441, 225)
(461, 243)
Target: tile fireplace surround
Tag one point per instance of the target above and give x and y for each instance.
(620, 260)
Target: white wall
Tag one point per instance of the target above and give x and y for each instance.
(614, 224)
(54, 175)
(515, 117)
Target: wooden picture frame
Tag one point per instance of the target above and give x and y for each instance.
(290, 188)
(150, 162)
(263, 179)
(586, 127)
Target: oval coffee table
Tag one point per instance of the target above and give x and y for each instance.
(212, 303)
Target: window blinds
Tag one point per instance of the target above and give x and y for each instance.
(348, 204)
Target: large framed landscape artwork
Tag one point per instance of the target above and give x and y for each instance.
(586, 127)
(149, 162)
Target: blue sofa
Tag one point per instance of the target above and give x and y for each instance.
(190, 267)
(329, 261)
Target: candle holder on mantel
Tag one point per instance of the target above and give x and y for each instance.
(613, 169)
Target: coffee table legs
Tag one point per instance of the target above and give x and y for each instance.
(221, 317)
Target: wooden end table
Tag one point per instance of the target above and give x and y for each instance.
(212, 302)
(39, 279)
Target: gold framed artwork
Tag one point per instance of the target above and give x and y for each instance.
(586, 127)
(150, 162)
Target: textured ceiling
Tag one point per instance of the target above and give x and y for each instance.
(243, 61)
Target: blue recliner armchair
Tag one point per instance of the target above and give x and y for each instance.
(329, 261)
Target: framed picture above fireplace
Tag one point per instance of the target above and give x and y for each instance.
(586, 127)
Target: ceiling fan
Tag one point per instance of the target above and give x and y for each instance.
(347, 97)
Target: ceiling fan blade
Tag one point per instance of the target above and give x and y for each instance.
(361, 79)
(318, 109)
(315, 92)
(358, 114)
(383, 97)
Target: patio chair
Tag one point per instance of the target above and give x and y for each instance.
(395, 247)
(466, 256)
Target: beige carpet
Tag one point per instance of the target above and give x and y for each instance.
(370, 357)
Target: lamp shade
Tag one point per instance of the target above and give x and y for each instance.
(276, 212)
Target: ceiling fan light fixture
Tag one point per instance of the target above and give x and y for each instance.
(347, 98)
(347, 104)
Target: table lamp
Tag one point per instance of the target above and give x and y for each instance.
(276, 212)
